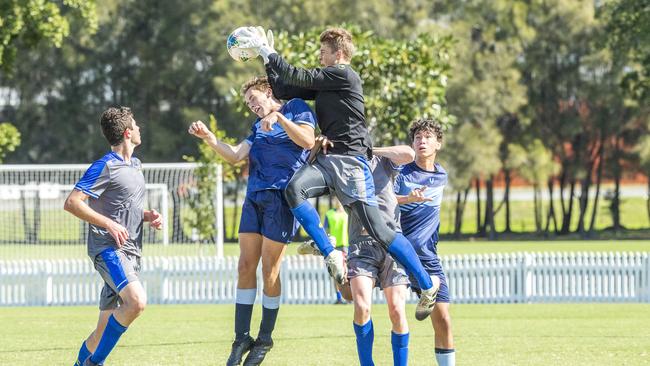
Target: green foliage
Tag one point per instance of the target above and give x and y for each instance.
(29, 22)
(202, 200)
(533, 162)
(9, 139)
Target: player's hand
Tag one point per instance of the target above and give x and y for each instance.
(155, 219)
(417, 195)
(267, 122)
(321, 143)
(118, 232)
(200, 130)
(256, 38)
(325, 144)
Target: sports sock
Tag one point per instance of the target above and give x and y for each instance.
(109, 339)
(365, 338)
(400, 343)
(446, 357)
(270, 307)
(402, 250)
(244, 301)
(306, 214)
(83, 354)
(339, 297)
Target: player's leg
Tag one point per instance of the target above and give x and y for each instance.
(394, 280)
(308, 182)
(361, 287)
(250, 249)
(396, 300)
(90, 344)
(120, 271)
(441, 320)
(402, 250)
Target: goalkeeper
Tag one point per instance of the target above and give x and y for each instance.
(336, 89)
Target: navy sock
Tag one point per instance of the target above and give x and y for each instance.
(308, 217)
(400, 343)
(365, 338)
(245, 298)
(270, 307)
(112, 334)
(83, 354)
(446, 357)
(402, 250)
(339, 297)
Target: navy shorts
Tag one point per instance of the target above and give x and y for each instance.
(267, 213)
(434, 268)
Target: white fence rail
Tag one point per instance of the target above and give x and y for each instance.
(494, 278)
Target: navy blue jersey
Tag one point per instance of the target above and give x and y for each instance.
(421, 220)
(274, 157)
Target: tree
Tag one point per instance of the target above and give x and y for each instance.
(25, 24)
(9, 139)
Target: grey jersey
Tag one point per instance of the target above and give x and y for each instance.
(383, 174)
(117, 191)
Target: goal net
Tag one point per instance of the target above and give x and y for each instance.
(33, 223)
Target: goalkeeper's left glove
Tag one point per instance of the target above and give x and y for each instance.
(256, 38)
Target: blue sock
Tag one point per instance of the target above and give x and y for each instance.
(339, 297)
(83, 354)
(308, 217)
(402, 250)
(365, 338)
(446, 357)
(245, 298)
(109, 339)
(400, 344)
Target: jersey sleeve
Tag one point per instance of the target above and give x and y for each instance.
(400, 187)
(95, 180)
(251, 137)
(302, 114)
(328, 78)
(282, 90)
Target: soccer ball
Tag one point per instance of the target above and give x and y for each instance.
(236, 52)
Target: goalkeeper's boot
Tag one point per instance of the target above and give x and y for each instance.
(427, 300)
(88, 362)
(258, 352)
(336, 266)
(239, 348)
(308, 248)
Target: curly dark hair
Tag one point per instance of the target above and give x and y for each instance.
(428, 125)
(114, 122)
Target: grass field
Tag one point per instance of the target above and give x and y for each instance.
(517, 334)
(15, 251)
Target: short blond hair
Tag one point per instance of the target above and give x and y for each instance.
(257, 83)
(338, 39)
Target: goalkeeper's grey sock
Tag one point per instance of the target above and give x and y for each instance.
(446, 357)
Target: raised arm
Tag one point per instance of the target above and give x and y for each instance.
(230, 153)
(329, 78)
(282, 90)
(399, 155)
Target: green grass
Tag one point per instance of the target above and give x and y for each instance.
(22, 251)
(522, 335)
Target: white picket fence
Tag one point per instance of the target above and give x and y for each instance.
(493, 278)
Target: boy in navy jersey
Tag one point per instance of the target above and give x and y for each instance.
(275, 150)
(419, 189)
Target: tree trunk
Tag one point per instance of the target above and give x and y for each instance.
(551, 209)
(584, 200)
(489, 210)
(566, 218)
(460, 211)
(537, 209)
(479, 223)
(616, 202)
(506, 199)
(599, 177)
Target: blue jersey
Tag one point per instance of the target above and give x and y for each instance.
(421, 220)
(274, 157)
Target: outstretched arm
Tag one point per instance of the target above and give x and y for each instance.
(399, 155)
(329, 78)
(281, 90)
(231, 154)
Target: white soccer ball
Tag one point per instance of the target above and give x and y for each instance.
(236, 52)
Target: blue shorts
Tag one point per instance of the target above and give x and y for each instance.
(267, 213)
(434, 268)
(117, 269)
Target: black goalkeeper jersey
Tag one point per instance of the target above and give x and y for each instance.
(338, 97)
